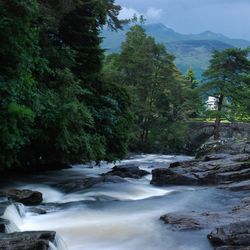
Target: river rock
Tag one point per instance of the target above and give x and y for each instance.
(213, 169)
(232, 248)
(88, 182)
(235, 234)
(228, 146)
(239, 186)
(3, 225)
(26, 197)
(196, 220)
(181, 222)
(27, 240)
(127, 171)
(36, 210)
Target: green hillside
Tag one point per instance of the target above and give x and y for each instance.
(195, 53)
(190, 50)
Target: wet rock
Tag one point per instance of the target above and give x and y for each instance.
(195, 220)
(232, 248)
(26, 197)
(3, 225)
(127, 171)
(181, 222)
(214, 157)
(228, 146)
(162, 176)
(27, 240)
(235, 234)
(36, 210)
(85, 183)
(239, 186)
(246, 200)
(241, 211)
(233, 171)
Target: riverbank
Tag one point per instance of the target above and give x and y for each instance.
(98, 208)
(226, 165)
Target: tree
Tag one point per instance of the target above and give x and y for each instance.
(56, 107)
(190, 76)
(160, 95)
(226, 80)
(148, 68)
(18, 58)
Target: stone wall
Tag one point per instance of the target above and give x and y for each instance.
(200, 132)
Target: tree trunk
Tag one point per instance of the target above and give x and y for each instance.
(218, 119)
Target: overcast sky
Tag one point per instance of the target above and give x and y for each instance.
(229, 17)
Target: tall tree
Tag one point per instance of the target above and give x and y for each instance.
(226, 80)
(18, 58)
(161, 95)
(55, 106)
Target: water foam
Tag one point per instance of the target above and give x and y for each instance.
(60, 243)
(13, 213)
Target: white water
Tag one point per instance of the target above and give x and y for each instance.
(13, 214)
(121, 216)
(52, 246)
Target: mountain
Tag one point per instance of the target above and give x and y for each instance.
(190, 50)
(240, 43)
(195, 53)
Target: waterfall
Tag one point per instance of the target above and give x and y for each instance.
(11, 228)
(52, 246)
(59, 243)
(13, 213)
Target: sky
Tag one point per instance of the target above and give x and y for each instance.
(228, 17)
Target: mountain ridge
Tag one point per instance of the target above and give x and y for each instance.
(190, 50)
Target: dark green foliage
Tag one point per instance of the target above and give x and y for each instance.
(227, 79)
(161, 96)
(56, 107)
(18, 57)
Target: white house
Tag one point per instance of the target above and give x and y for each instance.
(211, 103)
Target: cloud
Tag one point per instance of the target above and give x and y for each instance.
(153, 13)
(127, 13)
(229, 17)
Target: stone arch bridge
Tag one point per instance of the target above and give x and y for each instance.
(200, 132)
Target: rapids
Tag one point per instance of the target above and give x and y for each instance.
(119, 216)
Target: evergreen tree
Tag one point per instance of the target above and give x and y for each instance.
(226, 80)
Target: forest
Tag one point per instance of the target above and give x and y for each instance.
(122, 149)
(65, 101)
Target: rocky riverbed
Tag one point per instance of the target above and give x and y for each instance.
(225, 165)
(196, 204)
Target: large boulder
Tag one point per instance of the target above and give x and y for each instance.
(26, 197)
(163, 176)
(27, 240)
(235, 234)
(213, 169)
(127, 171)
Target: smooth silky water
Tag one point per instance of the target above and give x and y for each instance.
(122, 216)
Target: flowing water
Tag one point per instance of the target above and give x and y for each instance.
(119, 216)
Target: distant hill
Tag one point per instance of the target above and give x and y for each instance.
(190, 50)
(195, 53)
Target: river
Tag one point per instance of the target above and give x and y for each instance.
(120, 216)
